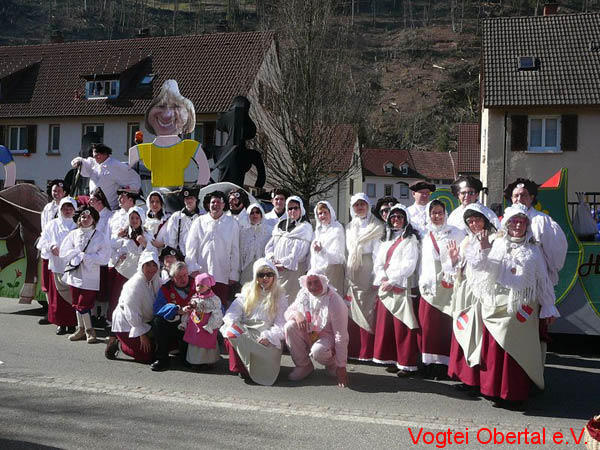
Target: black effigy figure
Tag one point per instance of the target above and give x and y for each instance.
(233, 159)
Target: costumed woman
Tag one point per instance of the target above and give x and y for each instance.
(131, 320)
(156, 219)
(85, 250)
(253, 326)
(397, 326)
(56, 191)
(436, 285)
(60, 311)
(468, 261)
(99, 202)
(253, 240)
(289, 246)
(362, 236)
(517, 295)
(328, 248)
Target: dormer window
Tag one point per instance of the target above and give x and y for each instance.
(404, 169)
(102, 89)
(147, 79)
(388, 167)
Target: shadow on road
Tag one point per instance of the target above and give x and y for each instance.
(9, 444)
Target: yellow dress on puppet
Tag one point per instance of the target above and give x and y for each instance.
(167, 164)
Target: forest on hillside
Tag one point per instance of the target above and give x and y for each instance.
(413, 64)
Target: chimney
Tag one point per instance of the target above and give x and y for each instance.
(550, 9)
(57, 37)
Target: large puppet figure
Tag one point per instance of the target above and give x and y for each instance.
(170, 115)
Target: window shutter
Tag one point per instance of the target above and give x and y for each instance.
(3, 135)
(518, 133)
(568, 133)
(31, 138)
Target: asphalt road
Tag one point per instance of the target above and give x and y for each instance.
(60, 394)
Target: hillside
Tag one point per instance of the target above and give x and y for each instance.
(420, 58)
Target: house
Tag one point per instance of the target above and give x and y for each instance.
(469, 149)
(391, 171)
(56, 98)
(540, 96)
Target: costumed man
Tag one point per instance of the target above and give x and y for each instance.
(106, 172)
(317, 326)
(238, 202)
(56, 191)
(170, 114)
(169, 305)
(551, 238)
(278, 198)
(168, 257)
(180, 222)
(467, 188)
(213, 246)
(417, 214)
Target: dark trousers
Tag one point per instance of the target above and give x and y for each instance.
(167, 337)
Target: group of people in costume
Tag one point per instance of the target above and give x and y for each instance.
(465, 295)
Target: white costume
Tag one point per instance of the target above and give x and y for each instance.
(330, 260)
(274, 219)
(552, 240)
(253, 240)
(110, 176)
(213, 246)
(126, 246)
(134, 312)
(96, 254)
(54, 234)
(289, 247)
(178, 228)
(417, 216)
(242, 218)
(157, 228)
(50, 212)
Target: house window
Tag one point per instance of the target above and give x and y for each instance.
(54, 139)
(102, 89)
(132, 128)
(371, 191)
(388, 190)
(404, 169)
(544, 134)
(92, 133)
(147, 79)
(388, 167)
(403, 191)
(197, 134)
(17, 138)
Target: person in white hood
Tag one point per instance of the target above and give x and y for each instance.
(362, 236)
(289, 246)
(253, 326)
(317, 326)
(60, 311)
(467, 188)
(85, 250)
(156, 219)
(253, 240)
(328, 249)
(131, 320)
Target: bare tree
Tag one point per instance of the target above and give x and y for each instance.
(305, 106)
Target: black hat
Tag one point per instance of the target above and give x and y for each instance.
(56, 182)
(421, 184)
(170, 251)
(191, 191)
(466, 180)
(84, 210)
(531, 186)
(132, 193)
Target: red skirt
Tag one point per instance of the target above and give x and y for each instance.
(104, 292)
(361, 342)
(435, 334)
(235, 363)
(83, 299)
(46, 275)
(501, 376)
(116, 281)
(60, 312)
(395, 343)
(132, 347)
(458, 367)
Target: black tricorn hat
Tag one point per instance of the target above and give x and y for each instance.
(133, 193)
(421, 184)
(170, 251)
(531, 186)
(191, 191)
(82, 210)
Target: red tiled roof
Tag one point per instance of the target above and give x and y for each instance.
(374, 159)
(433, 165)
(344, 139)
(468, 148)
(211, 69)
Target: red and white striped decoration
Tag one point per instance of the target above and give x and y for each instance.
(462, 321)
(234, 331)
(524, 313)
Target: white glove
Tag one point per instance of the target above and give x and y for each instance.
(76, 161)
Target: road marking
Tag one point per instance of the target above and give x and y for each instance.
(267, 407)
